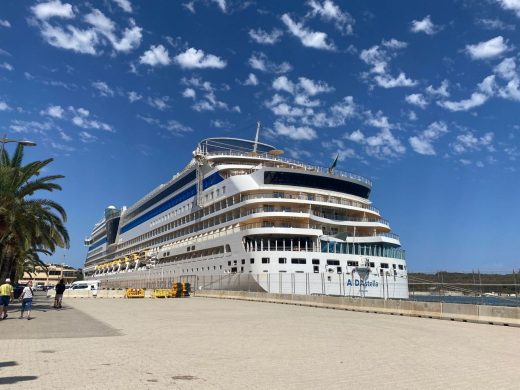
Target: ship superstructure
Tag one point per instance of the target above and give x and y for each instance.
(238, 208)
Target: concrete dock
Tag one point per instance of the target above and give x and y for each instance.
(229, 344)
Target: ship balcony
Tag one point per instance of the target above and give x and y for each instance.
(307, 244)
(308, 198)
(269, 160)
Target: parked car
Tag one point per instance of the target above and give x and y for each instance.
(18, 290)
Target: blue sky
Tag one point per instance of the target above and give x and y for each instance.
(420, 96)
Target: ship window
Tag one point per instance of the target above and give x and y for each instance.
(228, 248)
(316, 269)
(332, 262)
(241, 269)
(352, 263)
(234, 270)
(339, 270)
(243, 261)
(282, 271)
(384, 265)
(313, 181)
(251, 261)
(282, 260)
(316, 261)
(394, 266)
(400, 266)
(229, 263)
(188, 249)
(372, 264)
(265, 260)
(234, 262)
(223, 190)
(298, 261)
(220, 266)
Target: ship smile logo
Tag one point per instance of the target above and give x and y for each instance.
(360, 283)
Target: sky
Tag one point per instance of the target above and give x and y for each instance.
(422, 97)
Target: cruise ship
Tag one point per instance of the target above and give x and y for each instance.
(240, 216)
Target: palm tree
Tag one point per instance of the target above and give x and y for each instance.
(27, 224)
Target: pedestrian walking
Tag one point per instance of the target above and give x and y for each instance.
(27, 298)
(60, 288)
(6, 294)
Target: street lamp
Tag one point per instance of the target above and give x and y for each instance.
(6, 140)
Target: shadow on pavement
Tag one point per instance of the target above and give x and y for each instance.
(9, 380)
(10, 363)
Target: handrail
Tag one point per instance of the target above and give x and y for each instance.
(298, 164)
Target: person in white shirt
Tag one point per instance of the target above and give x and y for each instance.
(27, 297)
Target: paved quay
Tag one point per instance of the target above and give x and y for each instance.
(227, 344)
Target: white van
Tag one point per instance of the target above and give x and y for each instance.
(89, 285)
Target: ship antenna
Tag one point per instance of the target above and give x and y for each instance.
(257, 135)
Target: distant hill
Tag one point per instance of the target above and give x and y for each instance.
(469, 283)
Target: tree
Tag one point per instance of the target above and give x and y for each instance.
(27, 224)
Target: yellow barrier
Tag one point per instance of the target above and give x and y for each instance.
(162, 293)
(134, 293)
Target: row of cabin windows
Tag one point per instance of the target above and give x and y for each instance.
(283, 260)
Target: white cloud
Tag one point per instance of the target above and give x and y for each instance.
(495, 24)
(156, 55)
(85, 41)
(282, 83)
(476, 99)
(134, 96)
(81, 118)
(488, 49)
(19, 126)
(294, 132)
(423, 143)
(378, 58)
(381, 145)
(161, 103)
(507, 68)
(378, 120)
(329, 11)
(81, 41)
(426, 26)
(4, 106)
(209, 100)
(417, 99)
(189, 93)
(54, 111)
(394, 44)
(221, 4)
(125, 5)
(259, 61)
(173, 126)
(442, 90)
(467, 142)
(50, 9)
(131, 37)
(511, 5)
(197, 59)
(308, 38)
(103, 88)
(265, 38)
(387, 81)
(251, 80)
(6, 66)
(5, 23)
(314, 87)
(86, 137)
